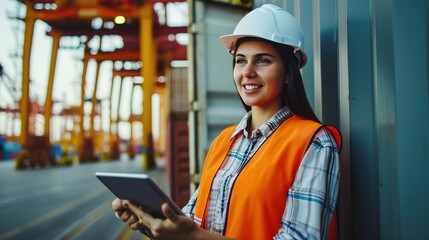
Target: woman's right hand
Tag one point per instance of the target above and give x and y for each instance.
(173, 227)
(122, 213)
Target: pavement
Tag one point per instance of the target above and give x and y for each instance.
(65, 202)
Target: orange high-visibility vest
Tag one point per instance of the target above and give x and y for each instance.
(259, 194)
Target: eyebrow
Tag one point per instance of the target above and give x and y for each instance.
(258, 55)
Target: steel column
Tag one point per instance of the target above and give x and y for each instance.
(25, 98)
(48, 101)
(94, 99)
(82, 102)
(149, 58)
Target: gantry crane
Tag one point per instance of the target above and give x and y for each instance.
(143, 35)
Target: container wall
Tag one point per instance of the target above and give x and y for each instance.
(367, 74)
(410, 26)
(177, 143)
(214, 103)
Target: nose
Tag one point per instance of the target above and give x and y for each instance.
(249, 71)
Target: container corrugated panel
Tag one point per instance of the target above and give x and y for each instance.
(179, 178)
(177, 153)
(178, 89)
(213, 98)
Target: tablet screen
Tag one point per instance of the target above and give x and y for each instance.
(140, 189)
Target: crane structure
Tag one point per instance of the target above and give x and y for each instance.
(147, 38)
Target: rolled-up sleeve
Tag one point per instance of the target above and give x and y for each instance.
(189, 208)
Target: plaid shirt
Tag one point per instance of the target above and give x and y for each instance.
(311, 199)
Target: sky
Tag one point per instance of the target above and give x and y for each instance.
(67, 80)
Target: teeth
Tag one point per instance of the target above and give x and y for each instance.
(251, 87)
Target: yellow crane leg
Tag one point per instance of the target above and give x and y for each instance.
(25, 98)
(48, 102)
(118, 117)
(92, 138)
(114, 123)
(149, 57)
(131, 122)
(23, 159)
(163, 98)
(94, 100)
(81, 108)
(111, 140)
(162, 142)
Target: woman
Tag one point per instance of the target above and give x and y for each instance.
(275, 175)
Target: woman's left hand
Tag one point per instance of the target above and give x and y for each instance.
(173, 227)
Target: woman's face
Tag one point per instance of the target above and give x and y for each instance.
(259, 75)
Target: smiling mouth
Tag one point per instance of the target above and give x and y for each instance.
(251, 87)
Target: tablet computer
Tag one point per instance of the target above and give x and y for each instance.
(140, 189)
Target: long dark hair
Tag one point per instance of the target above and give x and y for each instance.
(293, 94)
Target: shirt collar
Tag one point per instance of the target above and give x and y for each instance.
(268, 127)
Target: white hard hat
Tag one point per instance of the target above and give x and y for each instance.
(272, 23)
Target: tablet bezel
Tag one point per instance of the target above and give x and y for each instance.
(140, 189)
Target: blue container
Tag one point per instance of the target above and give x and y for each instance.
(57, 151)
(1, 148)
(11, 150)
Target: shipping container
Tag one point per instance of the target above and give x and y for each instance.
(177, 143)
(214, 102)
(367, 74)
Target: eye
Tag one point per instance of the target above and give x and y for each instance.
(264, 60)
(240, 60)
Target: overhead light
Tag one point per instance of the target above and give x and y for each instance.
(120, 20)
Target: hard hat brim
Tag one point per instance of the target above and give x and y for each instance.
(229, 41)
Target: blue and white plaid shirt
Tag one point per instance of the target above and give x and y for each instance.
(312, 197)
